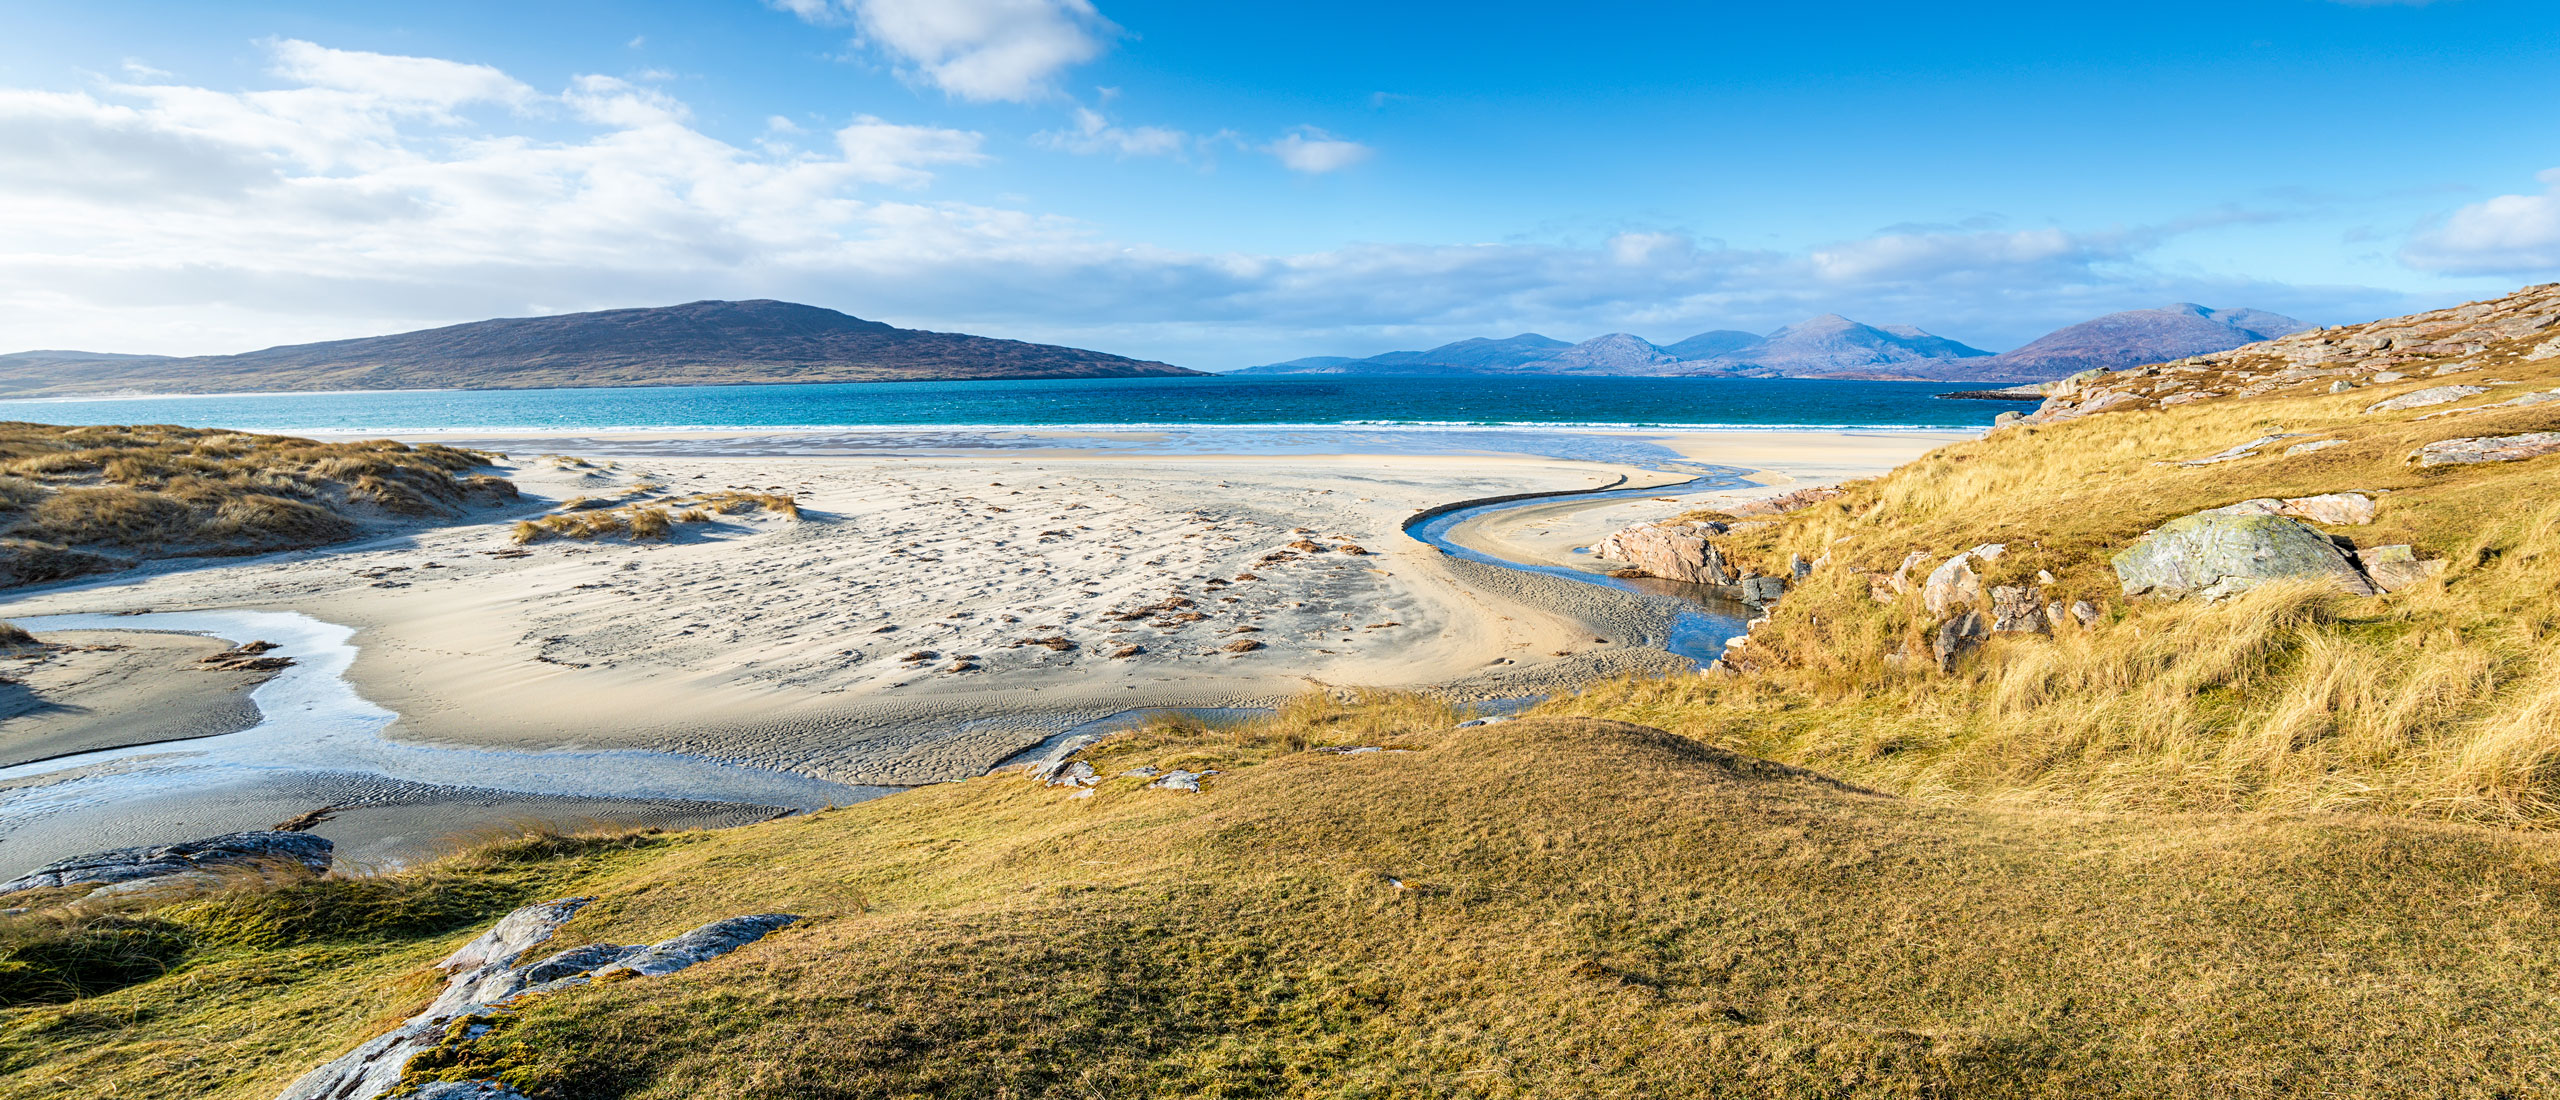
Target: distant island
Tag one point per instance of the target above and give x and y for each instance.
(1832, 346)
(695, 344)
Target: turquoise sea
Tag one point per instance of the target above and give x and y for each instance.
(1095, 404)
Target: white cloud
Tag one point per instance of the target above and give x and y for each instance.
(978, 50)
(1920, 255)
(168, 217)
(1095, 133)
(2506, 235)
(408, 81)
(1315, 152)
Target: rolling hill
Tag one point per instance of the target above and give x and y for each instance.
(698, 343)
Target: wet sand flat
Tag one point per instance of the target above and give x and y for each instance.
(94, 689)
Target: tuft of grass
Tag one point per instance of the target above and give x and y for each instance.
(592, 518)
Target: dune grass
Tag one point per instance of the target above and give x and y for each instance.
(641, 514)
(84, 499)
(1553, 907)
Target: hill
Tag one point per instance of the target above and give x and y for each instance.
(698, 343)
(2126, 339)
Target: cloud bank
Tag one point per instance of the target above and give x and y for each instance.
(2507, 235)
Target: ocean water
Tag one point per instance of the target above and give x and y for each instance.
(1096, 404)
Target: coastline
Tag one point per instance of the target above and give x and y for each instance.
(758, 640)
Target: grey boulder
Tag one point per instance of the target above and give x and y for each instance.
(1959, 636)
(2214, 556)
(191, 857)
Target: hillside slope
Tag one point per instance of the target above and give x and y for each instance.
(1548, 908)
(698, 343)
(2439, 698)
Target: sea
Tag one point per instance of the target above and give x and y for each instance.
(1092, 404)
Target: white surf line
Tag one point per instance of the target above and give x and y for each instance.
(312, 721)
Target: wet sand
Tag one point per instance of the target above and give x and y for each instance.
(96, 689)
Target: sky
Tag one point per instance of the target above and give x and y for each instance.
(1219, 185)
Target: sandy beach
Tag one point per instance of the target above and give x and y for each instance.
(933, 610)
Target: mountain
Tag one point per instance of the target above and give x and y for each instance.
(698, 343)
(2130, 338)
(1833, 346)
(1614, 354)
(1707, 345)
(1829, 346)
(1472, 356)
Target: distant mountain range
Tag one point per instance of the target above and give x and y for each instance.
(698, 343)
(1832, 346)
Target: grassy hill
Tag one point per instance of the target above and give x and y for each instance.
(2294, 844)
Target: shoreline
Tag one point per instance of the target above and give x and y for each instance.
(773, 643)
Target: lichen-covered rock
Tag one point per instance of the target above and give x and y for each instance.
(1179, 780)
(2393, 568)
(1959, 636)
(1757, 589)
(700, 945)
(465, 1090)
(2213, 556)
(1953, 586)
(2489, 448)
(129, 865)
(2331, 509)
(2016, 610)
(1673, 552)
(2419, 399)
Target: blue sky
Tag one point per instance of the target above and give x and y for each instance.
(1220, 185)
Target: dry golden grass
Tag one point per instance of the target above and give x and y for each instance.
(1538, 908)
(638, 515)
(2438, 700)
(77, 500)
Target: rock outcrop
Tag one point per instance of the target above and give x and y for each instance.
(192, 857)
(2392, 568)
(2490, 448)
(2214, 556)
(2514, 329)
(484, 978)
(2327, 509)
(1673, 552)
(2419, 399)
